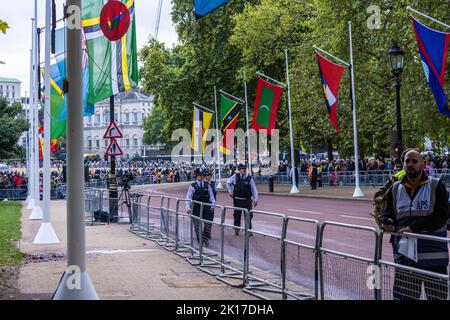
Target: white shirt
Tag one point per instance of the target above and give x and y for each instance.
(232, 181)
(191, 191)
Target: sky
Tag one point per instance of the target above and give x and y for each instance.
(16, 44)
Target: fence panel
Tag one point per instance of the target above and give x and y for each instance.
(343, 275)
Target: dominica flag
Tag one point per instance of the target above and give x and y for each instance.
(110, 31)
(229, 113)
(266, 106)
(433, 48)
(200, 126)
(331, 76)
(204, 7)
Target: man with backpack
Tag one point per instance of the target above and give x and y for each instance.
(417, 204)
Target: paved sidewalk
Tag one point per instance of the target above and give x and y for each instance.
(120, 264)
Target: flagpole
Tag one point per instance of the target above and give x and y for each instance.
(83, 288)
(36, 214)
(428, 17)
(294, 188)
(248, 131)
(219, 185)
(332, 56)
(358, 192)
(30, 134)
(46, 233)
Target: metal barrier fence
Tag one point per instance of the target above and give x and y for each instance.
(281, 257)
(20, 194)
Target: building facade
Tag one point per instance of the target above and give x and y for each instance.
(130, 109)
(10, 89)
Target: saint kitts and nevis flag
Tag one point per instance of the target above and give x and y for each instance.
(200, 126)
(331, 76)
(266, 106)
(110, 31)
(229, 113)
(433, 48)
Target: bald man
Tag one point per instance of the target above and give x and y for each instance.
(418, 204)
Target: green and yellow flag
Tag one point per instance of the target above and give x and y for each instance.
(110, 32)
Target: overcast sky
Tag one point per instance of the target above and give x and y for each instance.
(16, 44)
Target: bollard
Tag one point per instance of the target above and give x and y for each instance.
(271, 184)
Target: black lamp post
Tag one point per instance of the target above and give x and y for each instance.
(396, 59)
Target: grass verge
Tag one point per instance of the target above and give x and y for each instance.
(9, 233)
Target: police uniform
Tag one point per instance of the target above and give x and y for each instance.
(200, 191)
(243, 188)
(424, 210)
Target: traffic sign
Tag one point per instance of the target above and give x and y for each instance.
(113, 132)
(113, 149)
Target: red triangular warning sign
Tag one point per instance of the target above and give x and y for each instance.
(113, 132)
(113, 149)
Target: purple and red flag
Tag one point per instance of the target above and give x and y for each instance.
(331, 76)
(433, 49)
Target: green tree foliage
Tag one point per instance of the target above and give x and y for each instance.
(228, 46)
(12, 125)
(3, 26)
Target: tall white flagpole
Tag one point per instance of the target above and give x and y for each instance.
(294, 188)
(30, 117)
(76, 229)
(358, 192)
(46, 233)
(219, 185)
(36, 214)
(249, 150)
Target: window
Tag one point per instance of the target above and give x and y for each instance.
(89, 143)
(106, 117)
(127, 141)
(135, 141)
(97, 143)
(135, 117)
(106, 143)
(13, 95)
(127, 117)
(97, 119)
(116, 116)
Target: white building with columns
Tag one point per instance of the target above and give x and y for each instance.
(130, 108)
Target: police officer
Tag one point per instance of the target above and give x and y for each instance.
(200, 191)
(210, 215)
(241, 187)
(418, 204)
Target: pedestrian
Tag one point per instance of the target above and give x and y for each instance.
(418, 204)
(313, 175)
(242, 188)
(200, 191)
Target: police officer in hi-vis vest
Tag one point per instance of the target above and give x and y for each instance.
(241, 187)
(418, 204)
(201, 191)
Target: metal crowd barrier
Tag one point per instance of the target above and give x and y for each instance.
(343, 276)
(401, 282)
(283, 257)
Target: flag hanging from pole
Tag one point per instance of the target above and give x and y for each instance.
(331, 76)
(200, 125)
(229, 113)
(110, 31)
(267, 100)
(204, 7)
(433, 48)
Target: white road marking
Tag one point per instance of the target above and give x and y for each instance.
(304, 211)
(353, 217)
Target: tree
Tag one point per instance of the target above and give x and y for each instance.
(3, 26)
(12, 124)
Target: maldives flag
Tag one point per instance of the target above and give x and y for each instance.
(331, 76)
(433, 49)
(266, 106)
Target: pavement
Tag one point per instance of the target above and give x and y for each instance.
(121, 266)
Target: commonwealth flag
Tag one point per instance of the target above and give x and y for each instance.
(433, 49)
(331, 76)
(110, 31)
(229, 113)
(200, 125)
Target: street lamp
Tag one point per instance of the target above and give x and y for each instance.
(396, 60)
